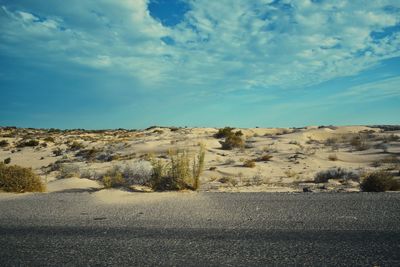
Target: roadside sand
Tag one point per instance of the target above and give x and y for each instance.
(297, 155)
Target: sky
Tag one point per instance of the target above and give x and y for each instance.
(99, 64)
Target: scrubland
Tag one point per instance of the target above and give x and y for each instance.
(309, 159)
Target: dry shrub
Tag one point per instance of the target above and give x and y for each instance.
(179, 173)
(138, 173)
(68, 171)
(359, 143)
(379, 181)
(336, 173)
(290, 173)
(57, 152)
(18, 179)
(76, 146)
(113, 178)
(88, 154)
(3, 143)
(333, 157)
(390, 159)
(49, 139)
(29, 143)
(264, 158)
(224, 132)
(228, 180)
(249, 164)
(232, 141)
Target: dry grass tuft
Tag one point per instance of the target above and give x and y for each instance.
(179, 173)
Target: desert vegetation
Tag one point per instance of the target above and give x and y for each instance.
(179, 172)
(380, 181)
(169, 158)
(18, 179)
(336, 174)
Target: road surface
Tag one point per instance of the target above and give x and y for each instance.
(201, 229)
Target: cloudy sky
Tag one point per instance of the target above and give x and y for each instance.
(243, 63)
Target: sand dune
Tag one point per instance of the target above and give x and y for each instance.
(297, 155)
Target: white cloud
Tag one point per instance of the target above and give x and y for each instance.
(220, 45)
(372, 91)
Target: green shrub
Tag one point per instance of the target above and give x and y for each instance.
(30, 143)
(7, 161)
(19, 179)
(335, 173)
(379, 181)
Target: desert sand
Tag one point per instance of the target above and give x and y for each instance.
(75, 160)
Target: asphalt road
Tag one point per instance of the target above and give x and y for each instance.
(202, 229)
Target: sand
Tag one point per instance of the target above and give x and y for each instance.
(297, 156)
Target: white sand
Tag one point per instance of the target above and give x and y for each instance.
(298, 154)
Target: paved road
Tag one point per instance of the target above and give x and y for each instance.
(197, 229)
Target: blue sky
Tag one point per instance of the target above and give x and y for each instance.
(242, 63)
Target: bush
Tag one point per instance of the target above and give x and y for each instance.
(336, 173)
(75, 146)
(7, 161)
(232, 141)
(30, 143)
(49, 139)
(88, 154)
(138, 173)
(333, 157)
(266, 157)
(57, 152)
(228, 180)
(113, 178)
(3, 143)
(379, 181)
(68, 171)
(19, 179)
(178, 173)
(224, 132)
(249, 164)
(359, 143)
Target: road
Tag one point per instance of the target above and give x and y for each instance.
(201, 229)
